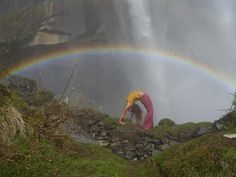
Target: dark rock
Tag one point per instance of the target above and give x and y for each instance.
(103, 132)
(91, 122)
(101, 124)
(118, 150)
(102, 137)
(103, 143)
(114, 144)
(130, 155)
(150, 146)
(83, 137)
(125, 142)
(147, 139)
(219, 126)
(165, 140)
(156, 143)
(129, 147)
(204, 130)
(139, 146)
(138, 141)
(110, 127)
(187, 135)
(227, 122)
(94, 128)
(140, 152)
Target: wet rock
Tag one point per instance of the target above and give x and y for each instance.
(140, 152)
(83, 137)
(91, 122)
(94, 128)
(187, 135)
(150, 146)
(103, 143)
(204, 130)
(165, 140)
(139, 146)
(130, 155)
(157, 143)
(110, 127)
(102, 138)
(103, 132)
(118, 150)
(125, 142)
(101, 124)
(114, 144)
(227, 122)
(219, 126)
(129, 147)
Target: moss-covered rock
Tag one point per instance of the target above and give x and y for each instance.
(166, 123)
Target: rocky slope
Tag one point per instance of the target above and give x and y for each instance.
(55, 135)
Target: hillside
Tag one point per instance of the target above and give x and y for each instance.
(42, 136)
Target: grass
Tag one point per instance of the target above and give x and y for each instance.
(65, 158)
(11, 123)
(56, 155)
(168, 128)
(208, 156)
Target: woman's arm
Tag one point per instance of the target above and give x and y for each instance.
(128, 105)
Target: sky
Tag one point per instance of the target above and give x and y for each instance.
(201, 30)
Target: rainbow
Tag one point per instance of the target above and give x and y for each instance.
(127, 50)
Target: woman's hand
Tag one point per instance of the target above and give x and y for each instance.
(121, 122)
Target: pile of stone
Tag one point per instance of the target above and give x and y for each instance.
(129, 141)
(132, 144)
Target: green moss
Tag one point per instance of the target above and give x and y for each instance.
(210, 155)
(65, 158)
(169, 128)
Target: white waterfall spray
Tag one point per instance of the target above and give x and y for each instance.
(141, 22)
(143, 36)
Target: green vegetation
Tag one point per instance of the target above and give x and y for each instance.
(208, 156)
(41, 151)
(29, 158)
(181, 132)
(228, 121)
(30, 144)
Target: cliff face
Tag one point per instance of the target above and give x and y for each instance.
(79, 20)
(65, 20)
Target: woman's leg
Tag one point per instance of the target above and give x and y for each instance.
(148, 120)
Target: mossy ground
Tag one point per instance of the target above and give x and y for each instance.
(174, 130)
(45, 153)
(64, 158)
(207, 156)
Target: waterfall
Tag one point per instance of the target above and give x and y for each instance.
(154, 72)
(141, 22)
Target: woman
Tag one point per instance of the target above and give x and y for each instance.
(146, 101)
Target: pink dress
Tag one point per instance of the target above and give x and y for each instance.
(148, 120)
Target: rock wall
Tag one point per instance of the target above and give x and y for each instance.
(130, 141)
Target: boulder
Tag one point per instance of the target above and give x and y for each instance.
(227, 122)
(166, 122)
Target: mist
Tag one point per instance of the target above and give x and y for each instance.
(203, 30)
